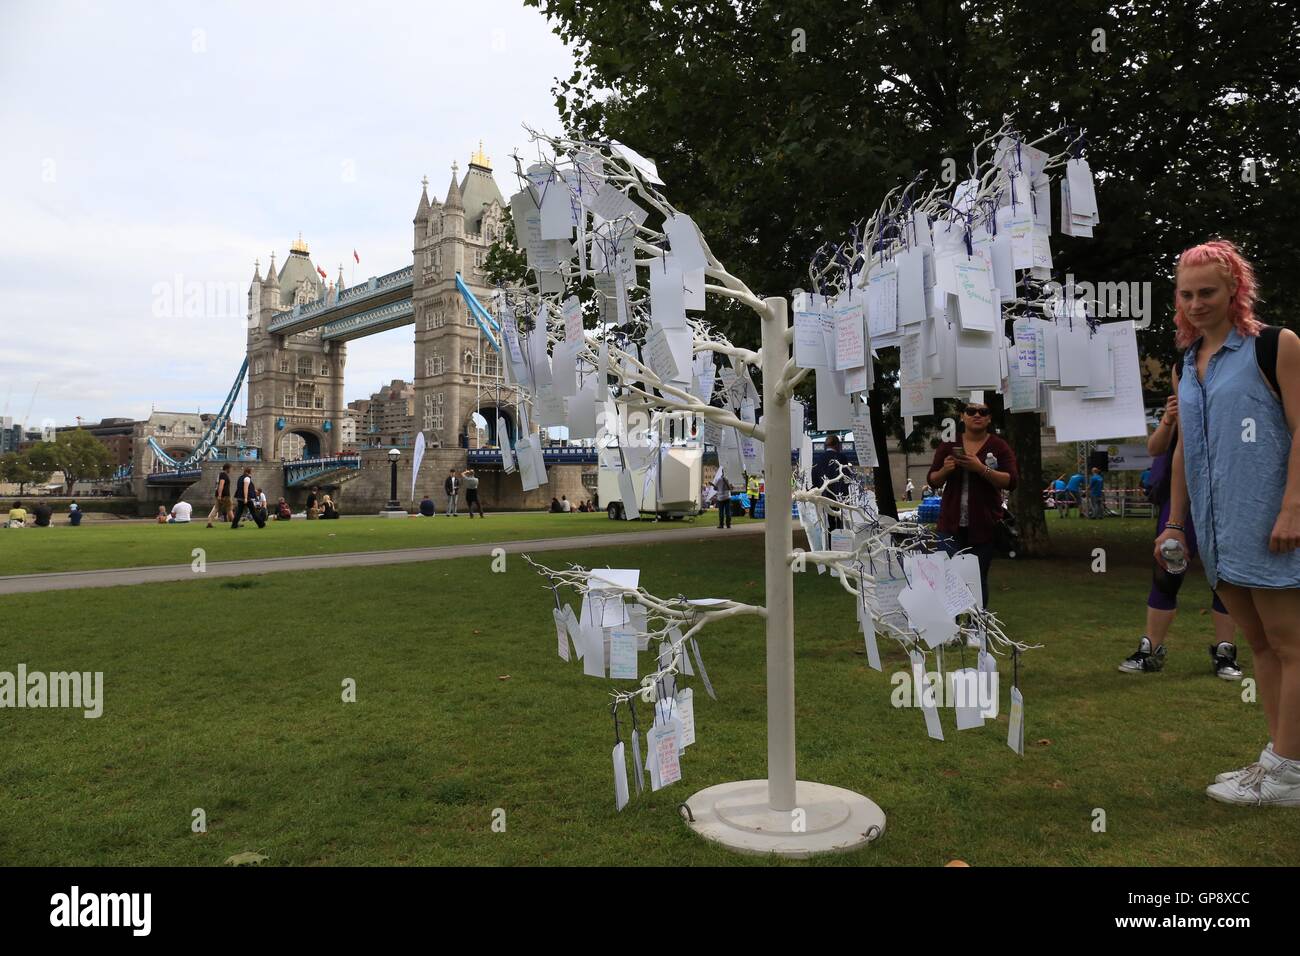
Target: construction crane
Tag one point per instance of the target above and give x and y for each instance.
(28, 415)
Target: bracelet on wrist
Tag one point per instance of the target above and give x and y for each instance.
(1174, 525)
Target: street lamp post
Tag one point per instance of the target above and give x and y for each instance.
(393, 503)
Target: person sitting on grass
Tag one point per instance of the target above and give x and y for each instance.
(43, 513)
(182, 512)
(74, 514)
(161, 516)
(555, 506)
(427, 508)
(328, 510)
(282, 511)
(17, 516)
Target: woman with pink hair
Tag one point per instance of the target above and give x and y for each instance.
(1237, 469)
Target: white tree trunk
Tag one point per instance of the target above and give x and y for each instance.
(778, 543)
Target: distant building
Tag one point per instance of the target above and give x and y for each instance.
(387, 417)
(348, 432)
(118, 434)
(178, 434)
(11, 436)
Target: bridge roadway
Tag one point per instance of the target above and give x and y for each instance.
(118, 577)
(377, 305)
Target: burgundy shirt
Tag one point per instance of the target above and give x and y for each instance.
(985, 501)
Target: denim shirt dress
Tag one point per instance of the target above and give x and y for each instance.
(1235, 484)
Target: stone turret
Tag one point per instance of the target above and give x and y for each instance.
(453, 209)
(422, 211)
(271, 287)
(255, 296)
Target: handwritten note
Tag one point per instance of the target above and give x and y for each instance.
(957, 596)
(910, 370)
(665, 749)
(809, 345)
(917, 399)
(882, 302)
(622, 655)
(1021, 227)
(850, 341)
(686, 712)
(885, 596)
(612, 203)
(1016, 722)
(979, 310)
(660, 354)
(572, 311)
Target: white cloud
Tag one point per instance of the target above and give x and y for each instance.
(139, 151)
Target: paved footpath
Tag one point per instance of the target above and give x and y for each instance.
(117, 577)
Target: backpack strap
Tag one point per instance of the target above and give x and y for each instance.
(1266, 354)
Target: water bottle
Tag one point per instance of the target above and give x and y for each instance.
(991, 460)
(1175, 555)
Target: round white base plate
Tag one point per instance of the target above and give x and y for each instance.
(833, 819)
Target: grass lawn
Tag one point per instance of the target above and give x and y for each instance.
(225, 695)
(122, 545)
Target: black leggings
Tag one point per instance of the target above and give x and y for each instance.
(1164, 591)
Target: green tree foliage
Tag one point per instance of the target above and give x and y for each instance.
(779, 123)
(18, 469)
(76, 453)
(505, 263)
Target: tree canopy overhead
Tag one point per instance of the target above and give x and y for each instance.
(781, 123)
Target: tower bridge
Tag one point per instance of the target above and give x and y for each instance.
(299, 326)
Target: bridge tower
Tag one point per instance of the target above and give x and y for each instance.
(452, 359)
(295, 382)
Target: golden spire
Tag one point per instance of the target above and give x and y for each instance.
(299, 245)
(479, 159)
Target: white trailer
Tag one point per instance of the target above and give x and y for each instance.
(668, 486)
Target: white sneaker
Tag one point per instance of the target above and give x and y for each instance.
(1261, 787)
(1266, 757)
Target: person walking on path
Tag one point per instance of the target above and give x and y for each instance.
(245, 498)
(452, 487)
(974, 471)
(1236, 472)
(221, 503)
(1162, 602)
(470, 484)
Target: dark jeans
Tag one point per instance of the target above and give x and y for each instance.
(753, 503)
(472, 502)
(952, 543)
(251, 508)
(724, 513)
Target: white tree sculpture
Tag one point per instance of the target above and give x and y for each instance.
(583, 214)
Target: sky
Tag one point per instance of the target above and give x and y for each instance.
(154, 151)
